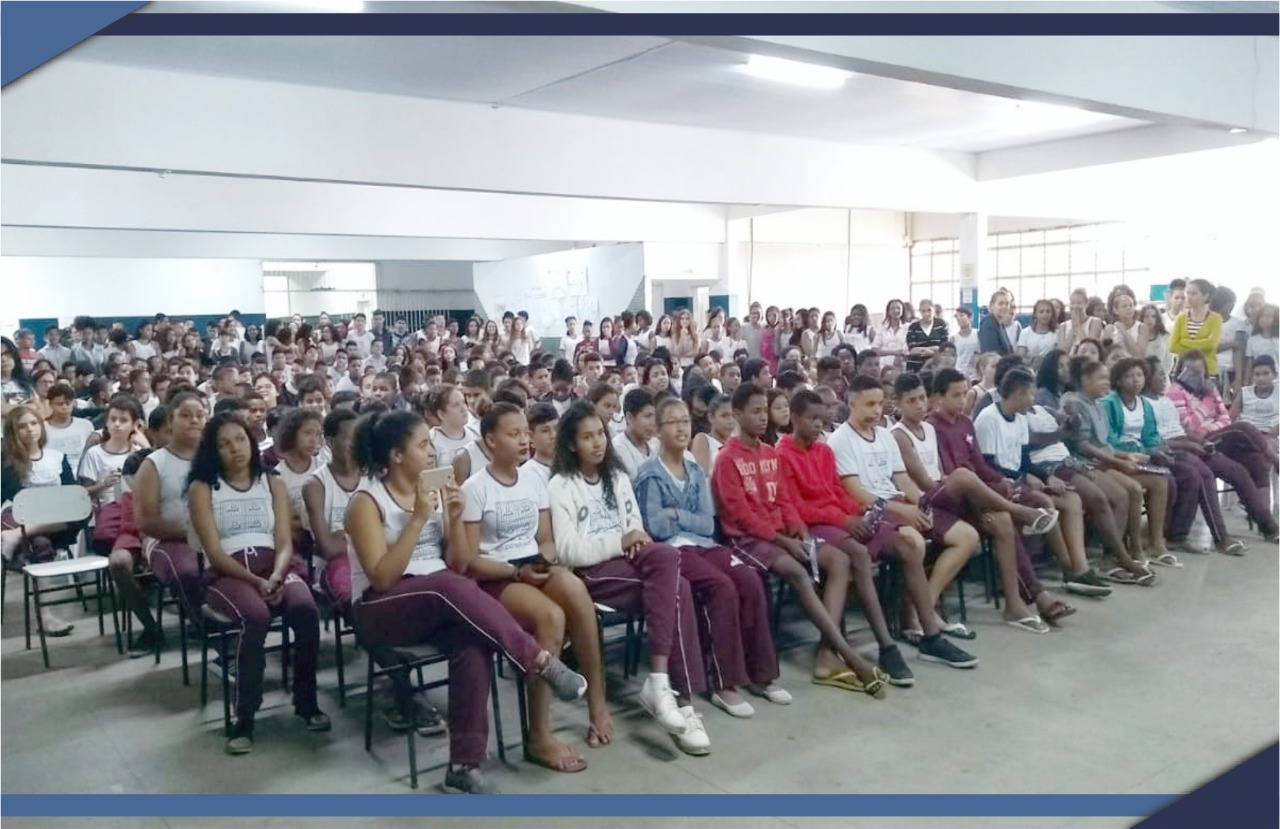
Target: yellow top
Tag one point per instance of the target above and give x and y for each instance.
(1205, 341)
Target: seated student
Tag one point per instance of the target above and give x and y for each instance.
(962, 500)
(1256, 504)
(984, 366)
(836, 519)
(592, 372)
(66, 434)
(562, 393)
(160, 503)
(475, 456)
(543, 423)
(733, 612)
(730, 378)
(325, 496)
(873, 473)
(599, 533)
(1088, 434)
(721, 423)
(240, 514)
(507, 520)
(779, 407)
(638, 443)
(300, 433)
(405, 594)
(449, 407)
(1257, 405)
(758, 515)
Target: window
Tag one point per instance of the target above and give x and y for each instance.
(935, 272)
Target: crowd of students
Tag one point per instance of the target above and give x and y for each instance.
(660, 468)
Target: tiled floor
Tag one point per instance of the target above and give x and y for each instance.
(1150, 691)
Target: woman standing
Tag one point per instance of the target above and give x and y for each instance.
(252, 344)
(663, 334)
(891, 335)
(857, 331)
(241, 515)
(1125, 329)
(828, 337)
(684, 340)
(604, 342)
(1158, 344)
(508, 524)
(1198, 328)
(405, 593)
(521, 344)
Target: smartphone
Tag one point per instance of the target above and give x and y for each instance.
(438, 478)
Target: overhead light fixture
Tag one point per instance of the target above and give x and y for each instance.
(325, 5)
(796, 72)
(1237, 130)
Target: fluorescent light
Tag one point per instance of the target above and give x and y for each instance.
(795, 72)
(325, 5)
(1237, 130)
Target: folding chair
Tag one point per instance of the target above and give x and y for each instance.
(37, 506)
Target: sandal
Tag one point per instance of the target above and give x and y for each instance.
(1119, 575)
(848, 681)
(1031, 624)
(1058, 610)
(574, 765)
(1165, 560)
(594, 738)
(1235, 548)
(912, 636)
(1045, 521)
(958, 630)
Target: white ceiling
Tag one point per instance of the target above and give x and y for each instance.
(642, 79)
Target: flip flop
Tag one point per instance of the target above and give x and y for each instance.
(576, 765)
(60, 629)
(1165, 560)
(848, 681)
(912, 636)
(957, 630)
(594, 740)
(1031, 624)
(1058, 610)
(1119, 575)
(1047, 520)
(1235, 548)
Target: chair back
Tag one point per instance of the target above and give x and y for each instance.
(41, 505)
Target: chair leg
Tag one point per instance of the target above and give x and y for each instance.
(182, 639)
(226, 683)
(413, 759)
(44, 646)
(522, 703)
(99, 586)
(497, 711)
(26, 608)
(338, 655)
(284, 655)
(964, 615)
(204, 671)
(368, 706)
(4, 588)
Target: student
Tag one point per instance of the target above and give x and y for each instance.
(160, 503)
(1256, 503)
(543, 423)
(67, 434)
(1263, 340)
(569, 342)
(507, 521)
(758, 515)
(1088, 435)
(325, 496)
(1198, 328)
(30, 462)
(779, 413)
(1256, 405)
(449, 406)
(405, 593)
(924, 336)
(297, 441)
(599, 533)
(607, 403)
(639, 442)
(999, 330)
(240, 514)
(707, 445)
(1041, 336)
(733, 612)
(985, 369)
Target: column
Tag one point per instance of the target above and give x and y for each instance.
(973, 259)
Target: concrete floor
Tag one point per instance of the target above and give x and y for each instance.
(1153, 690)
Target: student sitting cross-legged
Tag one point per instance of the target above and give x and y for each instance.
(873, 473)
(758, 515)
(508, 522)
(595, 519)
(675, 500)
(240, 513)
(401, 534)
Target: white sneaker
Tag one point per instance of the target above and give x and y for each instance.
(657, 697)
(693, 740)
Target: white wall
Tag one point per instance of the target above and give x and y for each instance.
(542, 285)
(426, 285)
(67, 287)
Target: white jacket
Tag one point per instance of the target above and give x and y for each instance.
(570, 501)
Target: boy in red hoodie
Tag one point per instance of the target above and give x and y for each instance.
(758, 515)
(832, 516)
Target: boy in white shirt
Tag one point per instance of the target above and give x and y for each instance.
(638, 442)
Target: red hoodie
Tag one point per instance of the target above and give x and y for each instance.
(814, 485)
(752, 493)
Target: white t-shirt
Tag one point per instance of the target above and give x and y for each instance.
(1001, 437)
(1168, 424)
(1260, 344)
(69, 439)
(1040, 421)
(966, 350)
(294, 482)
(538, 469)
(631, 456)
(364, 342)
(447, 448)
(244, 519)
(1263, 412)
(1133, 420)
(926, 448)
(428, 552)
(1037, 344)
(1232, 328)
(601, 519)
(568, 345)
(872, 462)
(508, 515)
(95, 465)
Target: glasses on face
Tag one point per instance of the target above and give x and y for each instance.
(677, 421)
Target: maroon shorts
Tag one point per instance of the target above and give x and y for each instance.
(948, 511)
(760, 554)
(830, 534)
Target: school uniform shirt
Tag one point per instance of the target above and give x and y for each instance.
(823, 344)
(144, 351)
(246, 518)
(428, 551)
(541, 471)
(377, 362)
(873, 462)
(1260, 411)
(507, 514)
(88, 357)
(751, 492)
(966, 350)
(958, 446)
(926, 447)
(294, 482)
(172, 471)
(814, 485)
(1234, 330)
(1007, 439)
(1036, 343)
(1260, 345)
(918, 337)
(50, 469)
(569, 346)
(1041, 421)
(751, 335)
(630, 455)
(56, 354)
(724, 344)
(336, 498)
(364, 342)
(69, 439)
(586, 529)
(96, 463)
(860, 340)
(447, 448)
(891, 341)
(1168, 426)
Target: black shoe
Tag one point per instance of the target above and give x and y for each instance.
(315, 719)
(1086, 583)
(937, 648)
(892, 663)
(241, 741)
(467, 780)
(427, 720)
(146, 643)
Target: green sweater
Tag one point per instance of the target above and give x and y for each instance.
(1114, 409)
